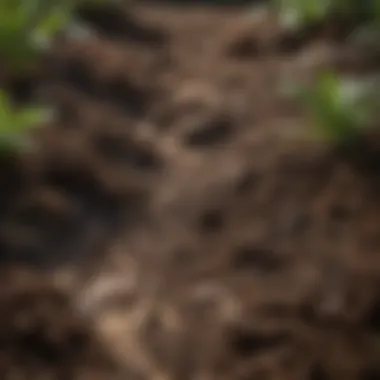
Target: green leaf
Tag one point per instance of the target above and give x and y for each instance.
(29, 117)
(15, 123)
(54, 22)
(5, 105)
(340, 108)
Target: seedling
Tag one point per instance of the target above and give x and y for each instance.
(14, 123)
(27, 27)
(297, 13)
(340, 108)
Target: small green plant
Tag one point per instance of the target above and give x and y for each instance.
(14, 124)
(340, 108)
(28, 25)
(297, 13)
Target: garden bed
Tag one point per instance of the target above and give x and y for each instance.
(180, 206)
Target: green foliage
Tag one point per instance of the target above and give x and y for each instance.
(26, 24)
(27, 27)
(340, 108)
(14, 123)
(297, 13)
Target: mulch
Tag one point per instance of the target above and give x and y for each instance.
(177, 219)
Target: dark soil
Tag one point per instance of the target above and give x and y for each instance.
(178, 220)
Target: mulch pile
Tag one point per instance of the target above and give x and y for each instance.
(177, 220)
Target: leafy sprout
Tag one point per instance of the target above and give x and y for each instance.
(340, 108)
(297, 13)
(26, 28)
(26, 25)
(14, 123)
